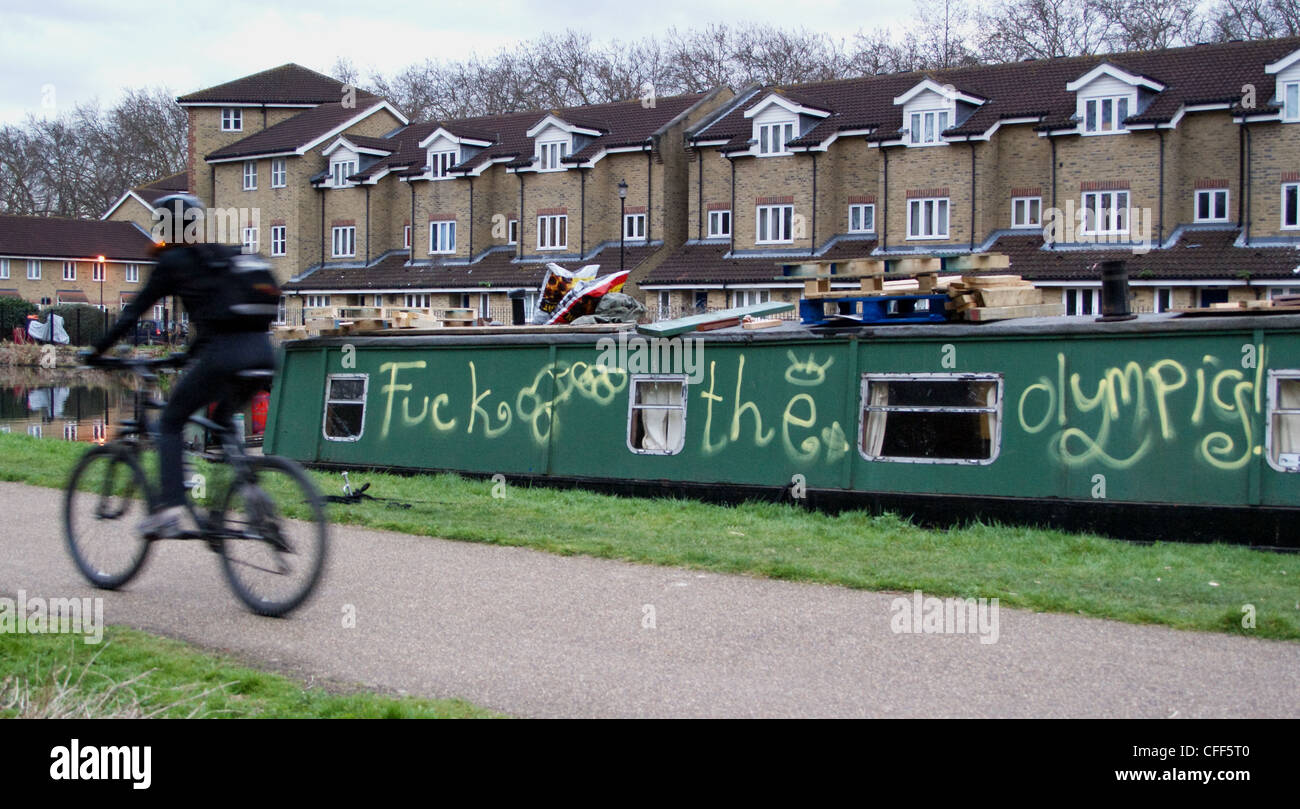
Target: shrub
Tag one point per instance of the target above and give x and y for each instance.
(13, 312)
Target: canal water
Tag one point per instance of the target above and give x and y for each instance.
(77, 405)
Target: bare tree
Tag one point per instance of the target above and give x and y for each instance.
(1041, 29)
(1255, 19)
(1150, 24)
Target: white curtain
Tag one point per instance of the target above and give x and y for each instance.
(1286, 436)
(661, 429)
(873, 435)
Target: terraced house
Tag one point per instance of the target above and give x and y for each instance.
(1184, 161)
(50, 261)
(460, 213)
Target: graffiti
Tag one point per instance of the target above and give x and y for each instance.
(1132, 409)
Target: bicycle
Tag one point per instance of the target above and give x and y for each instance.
(272, 563)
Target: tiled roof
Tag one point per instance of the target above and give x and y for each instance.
(1198, 254)
(622, 123)
(705, 263)
(496, 270)
(173, 184)
(44, 236)
(286, 84)
(290, 135)
(1030, 89)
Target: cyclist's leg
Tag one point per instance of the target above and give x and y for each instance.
(240, 352)
(194, 390)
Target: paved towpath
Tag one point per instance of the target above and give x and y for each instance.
(534, 634)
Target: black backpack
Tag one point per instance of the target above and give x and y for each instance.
(241, 294)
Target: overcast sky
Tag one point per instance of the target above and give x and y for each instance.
(59, 53)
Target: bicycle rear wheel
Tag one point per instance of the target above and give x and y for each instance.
(274, 536)
(106, 496)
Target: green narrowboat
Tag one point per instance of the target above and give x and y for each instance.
(1158, 427)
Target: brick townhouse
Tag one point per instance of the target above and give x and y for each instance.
(459, 213)
(1184, 161)
(50, 261)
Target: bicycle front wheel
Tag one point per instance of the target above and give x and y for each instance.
(106, 496)
(274, 536)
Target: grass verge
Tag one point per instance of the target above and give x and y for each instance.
(136, 675)
(1202, 587)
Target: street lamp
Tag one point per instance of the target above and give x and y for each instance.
(622, 220)
(103, 313)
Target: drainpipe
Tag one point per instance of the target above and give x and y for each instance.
(699, 193)
(649, 184)
(971, 144)
(884, 201)
(1241, 174)
(520, 240)
(411, 255)
(471, 215)
(1052, 141)
(320, 190)
(732, 161)
(367, 224)
(582, 212)
(1160, 228)
(812, 242)
(1245, 127)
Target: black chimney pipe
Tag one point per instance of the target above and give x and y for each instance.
(1114, 292)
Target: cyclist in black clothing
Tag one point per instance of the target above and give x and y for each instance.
(226, 342)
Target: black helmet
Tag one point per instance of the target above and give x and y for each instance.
(171, 213)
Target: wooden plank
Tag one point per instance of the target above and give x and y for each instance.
(981, 281)
(682, 325)
(762, 323)
(719, 324)
(1229, 305)
(977, 261)
(982, 314)
(917, 264)
(1010, 296)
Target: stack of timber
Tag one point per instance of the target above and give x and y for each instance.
(981, 298)
(1282, 304)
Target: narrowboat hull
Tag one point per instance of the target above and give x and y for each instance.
(1156, 428)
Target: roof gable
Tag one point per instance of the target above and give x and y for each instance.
(1107, 69)
(289, 84)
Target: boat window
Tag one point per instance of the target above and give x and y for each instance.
(656, 414)
(931, 418)
(345, 406)
(1283, 439)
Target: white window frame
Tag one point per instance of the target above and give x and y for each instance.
(937, 229)
(771, 138)
(549, 230)
(866, 217)
(1272, 411)
(865, 407)
(365, 390)
(750, 297)
(771, 226)
(98, 271)
(282, 310)
(720, 224)
(512, 231)
(1108, 222)
(1290, 106)
(1213, 195)
(249, 240)
(550, 154)
(925, 127)
(279, 172)
(634, 227)
(69, 271)
(1155, 299)
(316, 301)
(232, 119)
(442, 236)
(279, 240)
(343, 241)
(4, 269)
(1021, 208)
(1093, 109)
(133, 273)
(675, 406)
(416, 300)
(33, 269)
(1294, 188)
(406, 236)
(250, 175)
(441, 163)
(1093, 295)
(340, 170)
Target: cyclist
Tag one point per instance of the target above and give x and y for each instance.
(230, 336)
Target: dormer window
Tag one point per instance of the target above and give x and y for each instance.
(551, 153)
(232, 119)
(927, 126)
(1290, 98)
(340, 170)
(772, 138)
(1105, 114)
(440, 163)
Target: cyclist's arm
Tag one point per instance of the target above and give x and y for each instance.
(158, 287)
